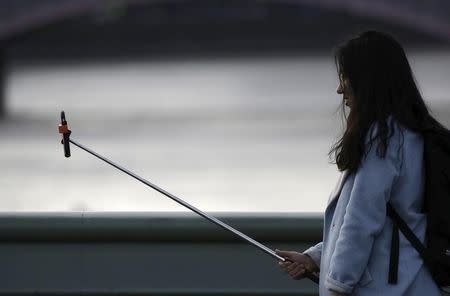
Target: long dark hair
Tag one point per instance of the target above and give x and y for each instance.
(382, 85)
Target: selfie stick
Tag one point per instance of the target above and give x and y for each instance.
(64, 130)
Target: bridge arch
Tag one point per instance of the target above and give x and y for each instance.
(431, 18)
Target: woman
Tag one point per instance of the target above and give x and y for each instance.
(380, 157)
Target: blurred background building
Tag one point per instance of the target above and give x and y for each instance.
(230, 105)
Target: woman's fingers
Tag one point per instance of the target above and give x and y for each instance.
(284, 265)
(284, 254)
(295, 265)
(294, 269)
(290, 266)
(297, 272)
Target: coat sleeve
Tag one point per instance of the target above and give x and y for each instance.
(364, 217)
(315, 252)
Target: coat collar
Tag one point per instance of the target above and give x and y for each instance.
(337, 190)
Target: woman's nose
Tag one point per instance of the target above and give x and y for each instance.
(339, 89)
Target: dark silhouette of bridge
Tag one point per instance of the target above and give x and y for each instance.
(431, 17)
(138, 26)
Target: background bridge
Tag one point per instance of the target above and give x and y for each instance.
(51, 30)
(431, 17)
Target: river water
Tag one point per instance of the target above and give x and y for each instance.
(234, 134)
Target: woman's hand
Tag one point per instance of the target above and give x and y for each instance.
(296, 263)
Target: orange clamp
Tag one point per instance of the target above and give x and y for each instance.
(63, 129)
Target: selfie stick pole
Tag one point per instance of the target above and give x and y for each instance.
(64, 130)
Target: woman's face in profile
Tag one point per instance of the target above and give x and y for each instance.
(344, 90)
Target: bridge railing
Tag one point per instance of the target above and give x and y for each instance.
(77, 253)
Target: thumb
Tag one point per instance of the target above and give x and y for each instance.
(285, 254)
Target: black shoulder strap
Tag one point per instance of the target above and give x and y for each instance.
(393, 259)
(399, 223)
